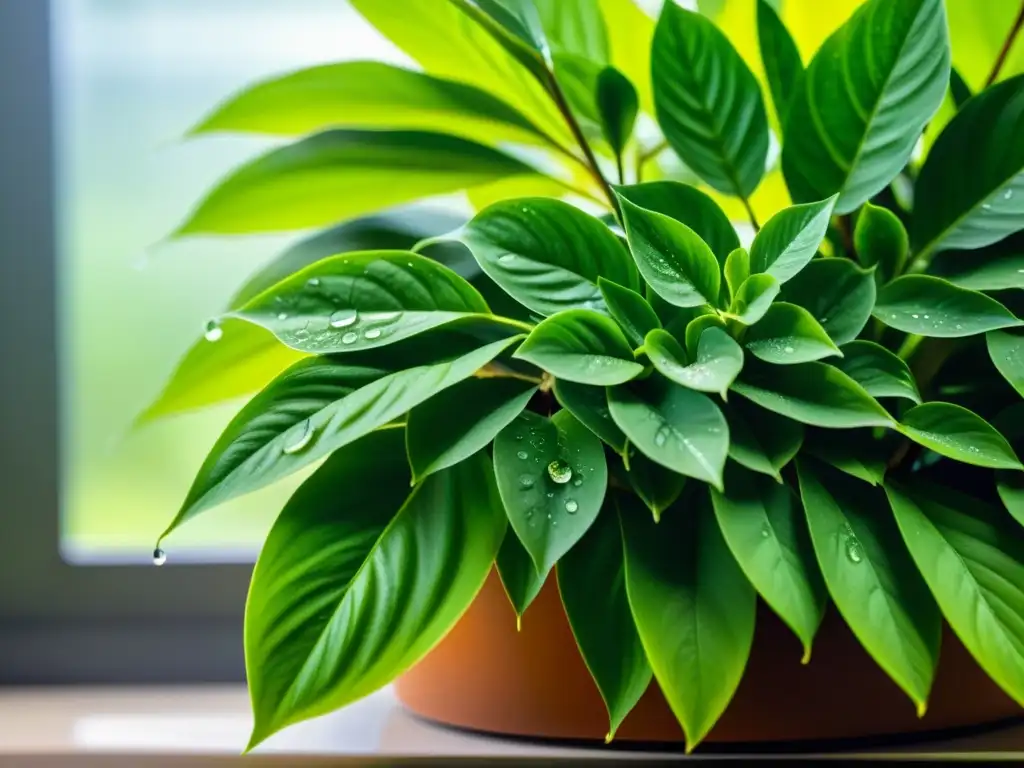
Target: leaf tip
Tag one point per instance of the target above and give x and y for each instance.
(608, 737)
(922, 708)
(806, 658)
(519, 622)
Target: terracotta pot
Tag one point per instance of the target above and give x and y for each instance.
(487, 677)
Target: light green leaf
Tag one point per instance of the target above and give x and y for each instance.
(590, 406)
(1007, 352)
(838, 293)
(656, 486)
(672, 258)
(762, 523)
(788, 334)
(864, 101)
(761, 440)
(351, 590)
(879, 371)
(546, 254)
(871, 577)
(461, 420)
(790, 238)
(708, 102)
(1010, 487)
(575, 26)
(811, 393)
(988, 269)
(680, 429)
(516, 25)
(971, 557)
(592, 583)
(754, 298)
(693, 607)
(953, 431)
(780, 57)
(881, 241)
(954, 209)
(930, 306)
(518, 574)
(629, 309)
(617, 106)
(736, 270)
(552, 477)
(695, 329)
(582, 346)
(341, 173)
(718, 362)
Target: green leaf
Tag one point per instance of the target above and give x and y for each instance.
(790, 238)
(871, 577)
(983, 270)
(590, 406)
(837, 293)
(689, 206)
(695, 331)
(1007, 352)
(811, 393)
(718, 362)
(618, 105)
(576, 27)
(672, 258)
(518, 574)
(708, 102)
(762, 523)
(311, 410)
(788, 334)
(582, 346)
(1010, 487)
(958, 89)
(592, 583)
(754, 298)
(879, 371)
(954, 209)
(971, 558)
(552, 477)
(859, 454)
(780, 57)
(369, 94)
(630, 31)
(930, 306)
(693, 607)
(351, 589)
(629, 309)
(953, 431)
(656, 486)
(736, 270)
(461, 420)
(546, 254)
(881, 241)
(864, 101)
(341, 173)
(761, 440)
(516, 25)
(680, 429)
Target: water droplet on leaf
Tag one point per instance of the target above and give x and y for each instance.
(525, 482)
(301, 439)
(571, 507)
(313, 283)
(560, 471)
(373, 333)
(789, 350)
(159, 556)
(282, 315)
(343, 318)
(523, 455)
(213, 331)
(854, 550)
(349, 338)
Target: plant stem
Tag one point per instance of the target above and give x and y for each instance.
(750, 214)
(1005, 50)
(498, 371)
(619, 169)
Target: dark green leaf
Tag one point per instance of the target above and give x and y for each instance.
(858, 454)
(871, 577)
(719, 360)
(582, 346)
(1010, 487)
(837, 293)
(754, 298)
(695, 331)
(708, 102)
(761, 440)
(879, 371)
(518, 574)
(930, 306)
(578, 78)
(592, 581)
(864, 100)
(1007, 352)
(958, 88)
(780, 57)
(762, 523)
(694, 609)
(673, 259)
(656, 486)
(617, 104)
(953, 431)
(680, 429)
(983, 270)
(461, 420)
(590, 406)
(736, 270)
(790, 238)
(788, 334)
(629, 309)
(576, 27)
(881, 241)
(322, 628)
(552, 477)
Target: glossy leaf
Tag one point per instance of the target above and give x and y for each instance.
(695, 331)
(811, 393)
(953, 431)
(982, 270)
(787, 335)
(958, 88)
(582, 346)
(736, 270)
(672, 258)
(590, 407)
(879, 371)
(341, 173)
(761, 440)
(518, 574)
(871, 577)
(930, 306)
(576, 27)
(461, 420)
(780, 58)
(592, 582)
(351, 589)
(694, 610)
(837, 293)
(678, 428)
(516, 24)
(789, 239)
(971, 557)
(881, 241)
(754, 298)
(958, 209)
(864, 101)
(552, 477)
(1007, 352)
(764, 527)
(629, 309)
(617, 105)
(708, 102)
(656, 486)
(718, 361)
(859, 454)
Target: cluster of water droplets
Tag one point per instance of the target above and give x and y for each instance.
(558, 472)
(854, 549)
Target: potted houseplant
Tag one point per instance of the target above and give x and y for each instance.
(592, 386)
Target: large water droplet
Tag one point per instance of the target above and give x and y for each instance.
(560, 471)
(373, 333)
(523, 455)
(571, 506)
(343, 318)
(159, 556)
(300, 440)
(349, 338)
(213, 331)
(525, 482)
(854, 550)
